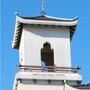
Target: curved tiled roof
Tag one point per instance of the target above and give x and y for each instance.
(41, 20)
(83, 86)
(45, 17)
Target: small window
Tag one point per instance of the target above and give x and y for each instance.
(47, 57)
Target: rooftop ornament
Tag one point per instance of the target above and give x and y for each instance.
(43, 8)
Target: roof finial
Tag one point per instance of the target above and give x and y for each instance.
(43, 7)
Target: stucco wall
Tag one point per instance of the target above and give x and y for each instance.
(39, 87)
(21, 50)
(45, 87)
(33, 39)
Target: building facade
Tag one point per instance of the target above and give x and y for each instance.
(44, 54)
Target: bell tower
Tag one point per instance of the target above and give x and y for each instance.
(43, 43)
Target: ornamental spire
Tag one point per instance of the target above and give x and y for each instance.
(43, 7)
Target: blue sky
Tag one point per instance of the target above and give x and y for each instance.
(80, 44)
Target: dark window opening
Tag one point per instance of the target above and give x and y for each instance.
(47, 57)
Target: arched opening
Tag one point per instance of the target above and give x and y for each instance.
(47, 56)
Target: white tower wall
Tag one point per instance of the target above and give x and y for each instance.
(33, 39)
(30, 37)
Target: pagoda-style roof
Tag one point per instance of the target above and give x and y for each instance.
(83, 86)
(42, 20)
(50, 18)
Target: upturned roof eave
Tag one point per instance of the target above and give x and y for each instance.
(48, 18)
(55, 21)
(20, 20)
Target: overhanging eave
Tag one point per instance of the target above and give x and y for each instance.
(71, 23)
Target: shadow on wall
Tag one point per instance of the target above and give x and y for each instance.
(48, 32)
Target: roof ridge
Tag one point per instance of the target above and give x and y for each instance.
(46, 17)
